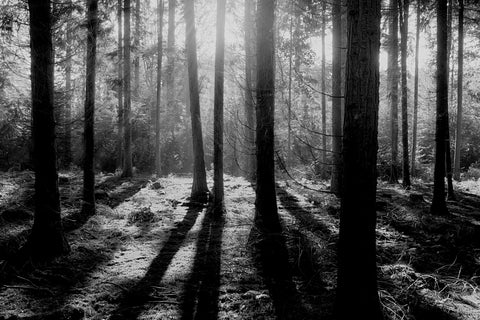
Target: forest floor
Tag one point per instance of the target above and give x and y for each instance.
(149, 253)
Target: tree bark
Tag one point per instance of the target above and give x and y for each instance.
(393, 79)
(290, 80)
(324, 88)
(158, 158)
(358, 215)
(127, 143)
(47, 239)
(458, 131)
(439, 206)
(404, 47)
(120, 136)
(337, 126)
(170, 71)
(136, 46)
(415, 94)
(88, 206)
(68, 105)
(199, 186)
(218, 196)
(448, 153)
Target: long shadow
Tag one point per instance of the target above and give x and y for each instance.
(200, 299)
(132, 303)
(105, 191)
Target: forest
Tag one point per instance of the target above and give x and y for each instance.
(247, 159)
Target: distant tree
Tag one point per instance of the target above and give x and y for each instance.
(67, 161)
(324, 87)
(127, 143)
(404, 46)
(218, 193)
(393, 79)
(439, 205)
(448, 152)
(358, 215)
(170, 71)
(47, 239)
(136, 47)
(199, 186)
(266, 214)
(120, 87)
(415, 92)
(458, 131)
(158, 160)
(337, 126)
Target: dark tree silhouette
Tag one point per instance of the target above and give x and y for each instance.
(439, 205)
(404, 46)
(47, 238)
(88, 207)
(358, 215)
(393, 79)
(127, 143)
(199, 186)
(266, 214)
(158, 160)
(415, 93)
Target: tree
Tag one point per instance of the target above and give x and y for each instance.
(218, 201)
(120, 87)
(68, 104)
(158, 160)
(127, 143)
(404, 46)
(358, 215)
(448, 153)
(170, 72)
(88, 207)
(47, 239)
(323, 88)
(337, 129)
(415, 92)
(392, 74)
(266, 215)
(249, 89)
(458, 131)
(136, 46)
(439, 205)
(199, 186)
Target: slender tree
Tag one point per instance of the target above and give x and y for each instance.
(448, 153)
(127, 143)
(218, 194)
(158, 160)
(199, 186)
(68, 104)
(393, 79)
(404, 46)
(458, 131)
(170, 68)
(439, 206)
(415, 91)
(47, 239)
(290, 80)
(120, 137)
(136, 48)
(266, 214)
(324, 87)
(88, 207)
(337, 129)
(358, 215)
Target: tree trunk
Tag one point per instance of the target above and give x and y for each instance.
(170, 72)
(337, 129)
(158, 158)
(46, 239)
(249, 89)
(199, 186)
(266, 215)
(393, 79)
(218, 201)
(289, 105)
(448, 153)
(458, 131)
(127, 147)
(415, 94)
(120, 137)
(404, 46)
(439, 206)
(358, 215)
(324, 88)
(136, 47)
(68, 105)
(88, 206)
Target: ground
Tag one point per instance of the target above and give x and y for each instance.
(149, 253)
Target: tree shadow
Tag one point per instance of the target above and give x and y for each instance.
(133, 301)
(107, 193)
(200, 299)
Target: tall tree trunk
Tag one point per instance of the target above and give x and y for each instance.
(324, 88)
(199, 186)
(47, 239)
(120, 137)
(136, 46)
(127, 147)
(448, 153)
(337, 130)
(458, 131)
(439, 206)
(68, 105)
(249, 89)
(289, 105)
(404, 47)
(158, 158)
(357, 227)
(415, 94)
(393, 79)
(170, 72)
(88, 207)
(218, 201)
(266, 215)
